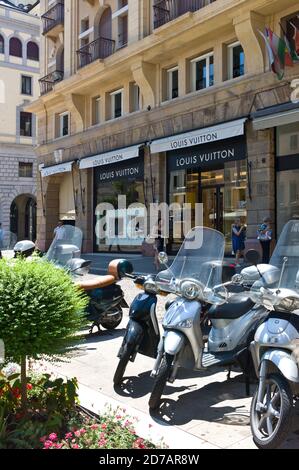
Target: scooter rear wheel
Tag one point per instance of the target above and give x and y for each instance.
(160, 381)
(122, 365)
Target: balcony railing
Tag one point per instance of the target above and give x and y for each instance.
(168, 10)
(46, 83)
(98, 49)
(53, 17)
(122, 40)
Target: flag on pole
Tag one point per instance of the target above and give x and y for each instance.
(276, 53)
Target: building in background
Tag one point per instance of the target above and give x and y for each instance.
(165, 101)
(19, 74)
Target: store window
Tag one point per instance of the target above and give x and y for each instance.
(202, 72)
(287, 165)
(236, 60)
(117, 230)
(222, 192)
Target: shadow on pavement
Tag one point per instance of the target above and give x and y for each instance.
(136, 387)
(201, 404)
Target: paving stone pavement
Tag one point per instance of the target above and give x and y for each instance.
(205, 407)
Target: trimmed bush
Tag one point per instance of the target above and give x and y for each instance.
(41, 311)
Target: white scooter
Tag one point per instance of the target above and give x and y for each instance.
(275, 349)
(195, 277)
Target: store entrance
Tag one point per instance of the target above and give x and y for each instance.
(212, 199)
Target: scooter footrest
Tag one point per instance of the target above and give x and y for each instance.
(222, 358)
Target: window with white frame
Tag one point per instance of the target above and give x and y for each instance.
(96, 110)
(135, 98)
(236, 60)
(202, 72)
(172, 83)
(62, 127)
(116, 103)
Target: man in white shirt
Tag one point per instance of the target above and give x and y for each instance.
(59, 231)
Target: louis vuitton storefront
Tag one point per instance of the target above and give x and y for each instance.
(209, 166)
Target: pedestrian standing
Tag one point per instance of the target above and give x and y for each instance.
(264, 235)
(238, 239)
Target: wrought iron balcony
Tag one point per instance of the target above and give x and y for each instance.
(46, 83)
(168, 10)
(98, 49)
(53, 17)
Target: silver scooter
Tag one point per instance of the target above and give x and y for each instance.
(195, 277)
(275, 349)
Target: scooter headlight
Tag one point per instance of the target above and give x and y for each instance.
(190, 290)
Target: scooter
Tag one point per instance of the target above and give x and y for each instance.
(195, 277)
(275, 349)
(142, 333)
(106, 298)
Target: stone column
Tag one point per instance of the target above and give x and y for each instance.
(261, 159)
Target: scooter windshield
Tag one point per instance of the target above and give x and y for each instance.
(200, 258)
(66, 245)
(286, 256)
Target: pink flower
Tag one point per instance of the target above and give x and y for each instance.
(58, 446)
(94, 426)
(48, 444)
(77, 433)
(69, 435)
(43, 439)
(82, 431)
(104, 426)
(53, 437)
(118, 417)
(75, 446)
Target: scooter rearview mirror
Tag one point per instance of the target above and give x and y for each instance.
(163, 258)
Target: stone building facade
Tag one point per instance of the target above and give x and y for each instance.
(174, 92)
(19, 73)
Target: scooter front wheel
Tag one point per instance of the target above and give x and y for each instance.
(271, 425)
(160, 381)
(122, 365)
(110, 322)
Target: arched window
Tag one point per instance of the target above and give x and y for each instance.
(1, 44)
(32, 51)
(15, 47)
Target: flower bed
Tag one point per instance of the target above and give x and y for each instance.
(54, 420)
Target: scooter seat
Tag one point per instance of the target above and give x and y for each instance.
(236, 306)
(90, 282)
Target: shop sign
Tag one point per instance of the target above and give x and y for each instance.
(199, 137)
(133, 170)
(56, 169)
(209, 156)
(110, 157)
